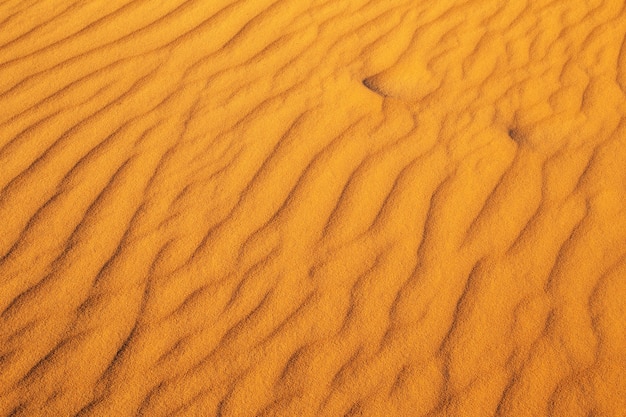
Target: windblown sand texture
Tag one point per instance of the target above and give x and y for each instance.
(313, 208)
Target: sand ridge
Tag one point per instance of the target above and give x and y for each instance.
(315, 208)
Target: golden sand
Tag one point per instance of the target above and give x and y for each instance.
(313, 208)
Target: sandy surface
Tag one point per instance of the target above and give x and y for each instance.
(313, 208)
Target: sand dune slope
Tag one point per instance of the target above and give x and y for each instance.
(313, 208)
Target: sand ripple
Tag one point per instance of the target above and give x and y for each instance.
(313, 208)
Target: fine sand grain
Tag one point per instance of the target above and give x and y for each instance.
(313, 208)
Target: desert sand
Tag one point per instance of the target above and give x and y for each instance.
(313, 208)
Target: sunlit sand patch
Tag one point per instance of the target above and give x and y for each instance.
(323, 208)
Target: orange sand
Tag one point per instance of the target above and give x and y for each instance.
(313, 208)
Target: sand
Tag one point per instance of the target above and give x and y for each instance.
(313, 208)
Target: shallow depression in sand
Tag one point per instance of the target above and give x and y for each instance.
(313, 208)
